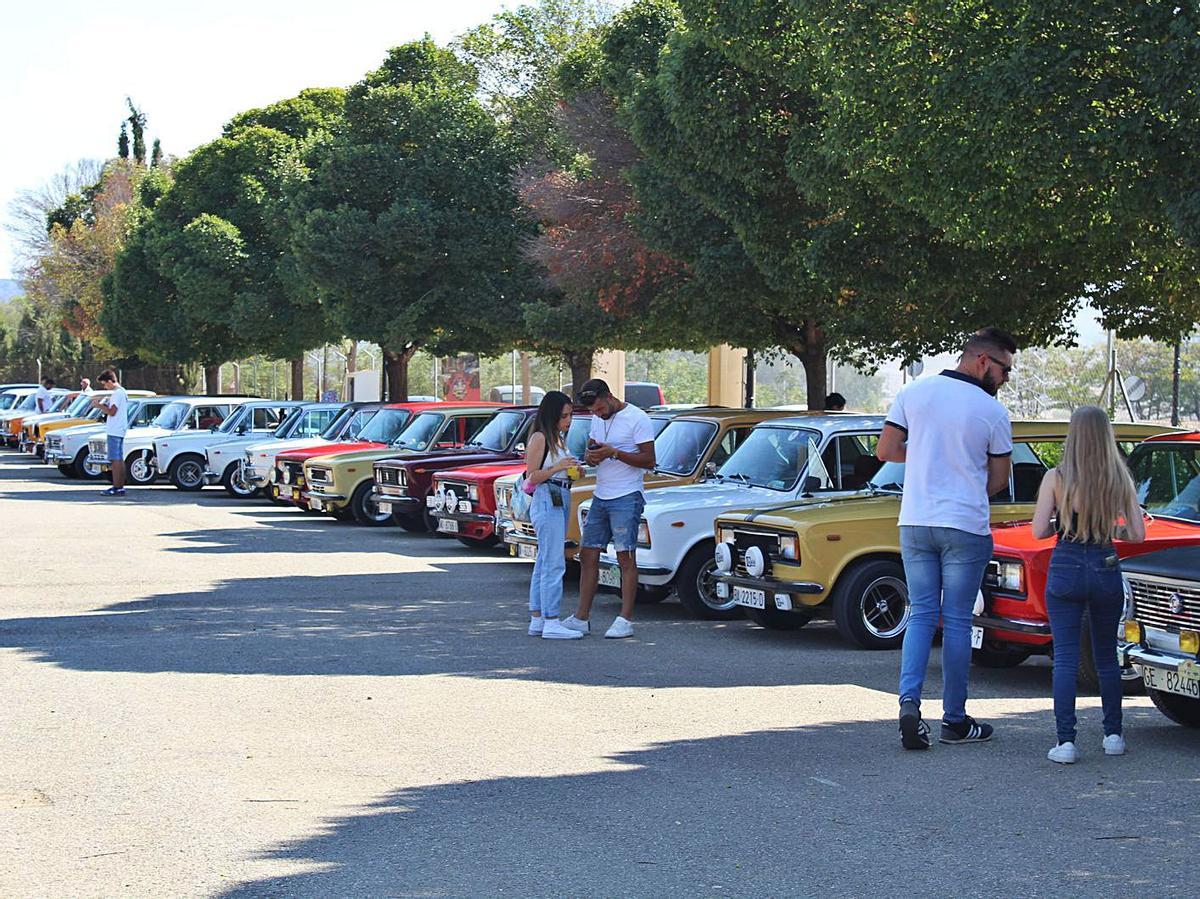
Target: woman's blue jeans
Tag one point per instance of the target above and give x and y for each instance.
(550, 524)
(944, 570)
(1081, 579)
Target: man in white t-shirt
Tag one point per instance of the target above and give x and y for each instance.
(956, 442)
(44, 399)
(621, 446)
(116, 407)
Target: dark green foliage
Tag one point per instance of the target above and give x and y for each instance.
(156, 154)
(137, 125)
(123, 141)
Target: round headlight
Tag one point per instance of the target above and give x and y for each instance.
(450, 501)
(724, 558)
(756, 564)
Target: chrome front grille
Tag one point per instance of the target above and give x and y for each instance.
(319, 475)
(457, 489)
(767, 541)
(295, 472)
(98, 446)
(503, 500)
(388, 476)
(1164, 603)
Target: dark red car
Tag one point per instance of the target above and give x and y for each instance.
(1014, 624)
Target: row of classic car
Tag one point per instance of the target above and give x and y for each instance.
(785, 517)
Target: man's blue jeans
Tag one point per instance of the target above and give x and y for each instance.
(944, 569)
(1079, 579)
(550, 524)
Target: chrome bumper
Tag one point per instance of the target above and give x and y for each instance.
(770, 585)
(645, 570)
(1014, 625)
(473, 517)
(1148, 657)
(55, 457)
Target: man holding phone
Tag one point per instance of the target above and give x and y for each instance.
(621, 446)
(115, 406)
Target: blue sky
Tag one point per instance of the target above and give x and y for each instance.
(67, 67)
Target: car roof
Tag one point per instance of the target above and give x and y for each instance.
(827, 421)
(1176, 437)
(1137, 429)
(725, 414)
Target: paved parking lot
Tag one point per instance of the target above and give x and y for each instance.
(207, 697)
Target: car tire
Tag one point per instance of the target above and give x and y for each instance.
(413, 524)
(649, 595)
(187, 472)
(870, 604)
(476, 543)
(998, 658)
(365, 509)
(83, 470)
(67, 470)
(696, 586)
(138, 471)
(1180, 709)
(231, 480)
(775, 620)
(1089, 679)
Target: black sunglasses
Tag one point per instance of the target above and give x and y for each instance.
(1007, 369)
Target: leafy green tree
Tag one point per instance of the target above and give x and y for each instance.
(406, 218)
(137, 125)
(123, 141)
(156, 154)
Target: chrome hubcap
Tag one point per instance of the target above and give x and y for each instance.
(139, 470)
(885, 609)
(189, 474)
(706, 586)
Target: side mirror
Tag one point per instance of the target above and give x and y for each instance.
(241, 429)
(212, 427)
(520, 447)
(710, 469)
(811, 484)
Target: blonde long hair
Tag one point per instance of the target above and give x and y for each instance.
(1095, 488)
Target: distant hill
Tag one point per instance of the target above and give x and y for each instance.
(9, 289)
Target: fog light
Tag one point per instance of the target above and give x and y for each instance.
(1189, 642)
(783, 602)
(1133, 631)
(724, 558)
(722, 590)
(755, 563)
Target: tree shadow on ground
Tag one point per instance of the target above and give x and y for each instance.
(803, 811)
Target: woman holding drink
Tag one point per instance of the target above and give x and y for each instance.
(549, 469)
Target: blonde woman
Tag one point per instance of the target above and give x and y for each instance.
(1088, 500)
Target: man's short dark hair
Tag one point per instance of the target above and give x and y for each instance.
(48, 382)
(990, 339)
(835, 399)
(107, 375)
(593, 390)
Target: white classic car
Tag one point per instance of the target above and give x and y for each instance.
(786, 461)
(258, 463)
(186, 413)
(181, 456)
(68, 448)
(224, 462)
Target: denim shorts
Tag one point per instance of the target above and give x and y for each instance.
(614, 521)
(116, 448)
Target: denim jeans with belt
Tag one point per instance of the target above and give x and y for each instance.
(944, 570)
(1081, 579)
(550, 524)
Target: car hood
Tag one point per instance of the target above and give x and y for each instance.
(450, 458)
(812, 510)
(1017, 539)
(240, 444)
(710, 494)
(146, 435)
(350, 457)
(329, 449)
(487, 471)
(78, 431)
(274, 447)
(43, 416)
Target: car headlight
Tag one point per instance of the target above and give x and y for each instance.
(789, 547)
(724, 535)
(283, 475)
(1007, 575)
(473, 492)
(723, 556)
(643, 537)
(756, 563)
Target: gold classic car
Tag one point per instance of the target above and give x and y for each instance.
(687, 446)
(839, 557)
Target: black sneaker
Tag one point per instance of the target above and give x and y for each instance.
(966, 731)
(914, 732)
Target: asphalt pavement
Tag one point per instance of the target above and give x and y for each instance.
(203, 696)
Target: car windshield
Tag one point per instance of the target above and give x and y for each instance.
(1167, 477)
(7, 400)
(1024, 480)
(385, 426)
(79, 405)
(498, 433)
(420, 431)
(577, 435)
(172, 416)
(289, 422)
(241, 415)
(658, 425)
(309, 422)
(29, 402)
(771, 457)
(681, 445)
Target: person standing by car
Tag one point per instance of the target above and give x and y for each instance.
(85, 386)
(547, 464)
(115, 406)
(835, 402)
(621, 445)
(44, 398)
(956, 442)
(1087, 500)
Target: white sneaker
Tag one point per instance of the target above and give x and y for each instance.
(553, 629)
(535, 626)
(1064, 754)
(622, 627)
(584, 627)
(1114, 744)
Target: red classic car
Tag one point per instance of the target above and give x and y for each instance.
(464, 501)
(1014, 624)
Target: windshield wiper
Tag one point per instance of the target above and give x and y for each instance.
(740, 477)
(892, 486)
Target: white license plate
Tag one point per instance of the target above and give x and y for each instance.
(447, 526)
(526, 551)
(749, 597)
(315, 504)
(385, 508)
(976, 638)
(431, 502)
(1171, 682)
(296, 495)
(610, 577)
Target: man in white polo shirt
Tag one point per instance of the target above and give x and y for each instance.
(956, 442)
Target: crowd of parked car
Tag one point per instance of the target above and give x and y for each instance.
(778, 515)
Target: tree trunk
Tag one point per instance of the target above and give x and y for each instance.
(580, 364)
(808, 344)
(297, 392)
(351, 368)
(396, 366)
(212, 380)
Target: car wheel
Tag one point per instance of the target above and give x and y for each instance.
(697, 587)
(429, 518)
(139, 471)
(998, 658)
(187, 472)
(1180, 709)
(67, 470)
(649, 595)
(1089, 678)
(365, 509)
(475, 543)
(414, 524)
(234, 484)
(870, 604)
(775, 620)
(84, 469)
